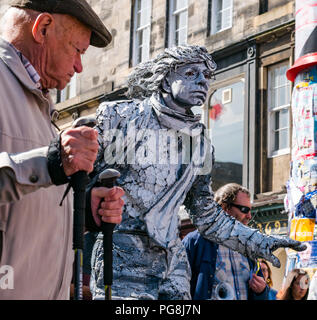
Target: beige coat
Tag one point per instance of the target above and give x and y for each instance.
(37, 232)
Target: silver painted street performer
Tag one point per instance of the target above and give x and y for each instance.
(165, 157)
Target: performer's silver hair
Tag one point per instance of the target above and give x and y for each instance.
(147, 76)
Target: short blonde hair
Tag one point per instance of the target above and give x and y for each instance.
(226, 194)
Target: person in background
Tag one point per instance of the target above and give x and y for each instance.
(267, 275)
(295, 287)
(217, 271)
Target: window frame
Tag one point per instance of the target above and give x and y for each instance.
(271, 111)
(137, 30)
(71, 87)
(214, 14)
(228, 82)
(172, 15)
(227, 79)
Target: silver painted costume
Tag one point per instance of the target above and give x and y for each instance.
(150, 261)
(146, 242)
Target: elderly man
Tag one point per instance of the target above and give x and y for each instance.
(40, 49)
(217, 271)
(164, 156)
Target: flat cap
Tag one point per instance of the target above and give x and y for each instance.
(80, 9)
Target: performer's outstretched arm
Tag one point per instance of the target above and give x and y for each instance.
(216, 225)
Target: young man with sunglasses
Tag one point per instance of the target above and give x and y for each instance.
(219, 273)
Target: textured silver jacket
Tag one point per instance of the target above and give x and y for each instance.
(155, 189)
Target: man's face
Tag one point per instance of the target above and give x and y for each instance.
(242, 199)
(62, 54)
(188, 85)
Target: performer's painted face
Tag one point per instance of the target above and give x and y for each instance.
(188, 85)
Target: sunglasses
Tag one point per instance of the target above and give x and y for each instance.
(243, 209)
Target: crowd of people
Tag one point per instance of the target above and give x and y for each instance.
(213, 266)
(41, 47)
(219, 273)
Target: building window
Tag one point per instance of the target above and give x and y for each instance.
(226, 124)
(178, 22)
(142, 31)
(279, 96)
(221, 17)
(69, 91)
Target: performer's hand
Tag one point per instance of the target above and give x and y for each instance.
(257, 283)
(107, 204)
(79, 148)
(263, 247)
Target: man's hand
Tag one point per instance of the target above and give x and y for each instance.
(79, 148)
(107, 204)
(257, 284)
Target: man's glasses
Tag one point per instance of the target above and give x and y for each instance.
(243, 209)
(192, 74)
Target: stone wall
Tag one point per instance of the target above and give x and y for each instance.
(112, 64)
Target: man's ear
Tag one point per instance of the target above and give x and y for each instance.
(166, 85)
(40, 27)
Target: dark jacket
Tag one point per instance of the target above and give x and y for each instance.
(202, 256)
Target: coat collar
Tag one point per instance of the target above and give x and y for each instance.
(10, 57)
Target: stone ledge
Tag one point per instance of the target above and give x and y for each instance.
(87, 98)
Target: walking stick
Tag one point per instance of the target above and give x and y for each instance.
(107, 179)
(78, 182)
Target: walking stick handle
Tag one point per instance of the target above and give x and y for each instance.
(107, 179)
